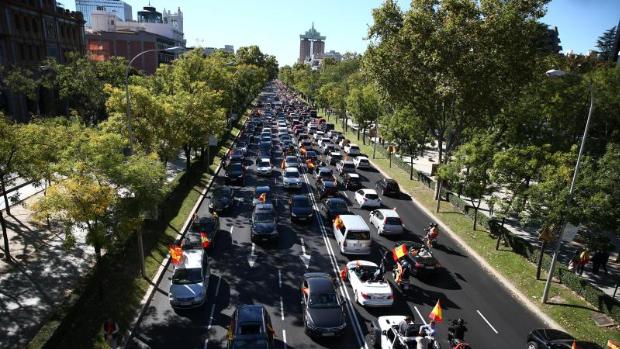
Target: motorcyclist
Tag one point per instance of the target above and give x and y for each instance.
(428, 329)
(456, 332)
(432, 233)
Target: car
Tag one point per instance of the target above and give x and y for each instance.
(386, 221)
(352, 149)
(384, 334)
(345, 166)
(305, 144)
(265, 145)
(291, 161)
(311, 154)
(387, 187)
(235, 173)
(333, 207)
(547, 338)
(322, 309)
(188, 286)
(264, 167)
(367, 198)
(291, 178)
(324, 174)
(333, 157)
(201, 233)
(420, 258)
(324, 141)
(350, 181)
(369, 286)
(301, 208)
(222, 198)
(361, 162)
(264, 223)
(236, 155)
(327, 148)
(250, 327)
(344, 142)
(258, 194)
(327, 188)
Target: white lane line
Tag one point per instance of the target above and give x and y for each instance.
(419, 314)
(345, 194)
(303, 246)
(284, 339)
(279, 278)
(487, 321)
(281, 309)
(232, 227)
(217, 292)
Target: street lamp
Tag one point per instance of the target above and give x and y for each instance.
(556, 73)
(174, 49)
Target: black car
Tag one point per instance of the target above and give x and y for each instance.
(322, 309)
(236, 155)
(264, 223)
(235, 173)
(202, 232)
(333, 158)
(420, 259)
(546, 338)
(333, 207)
(351, 181)
(222, 198)
(325, 174)
(387, 187)
(327, 189)
(250, 327)
(301, 208)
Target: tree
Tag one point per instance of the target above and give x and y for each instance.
(10, 147)
(605, 44)
(365, 106)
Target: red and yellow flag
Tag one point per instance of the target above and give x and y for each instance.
(338, 222)
(437, 314)
(612, 344)
(204, 240)
(574, 346)
(399, 252)
(262, 198)
(176, 254)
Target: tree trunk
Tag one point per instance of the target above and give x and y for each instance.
(364, 136)
(5, 237)
(411, 167)
(438, 195)
(476, 207)
(358, 132)
(540, 259)
(98, 270)
(500, 234)
(5, 195)
(188, 157)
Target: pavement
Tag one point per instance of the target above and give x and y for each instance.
(45, 269)
(242, 272)
(605, 282)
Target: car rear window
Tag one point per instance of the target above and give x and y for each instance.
(371, 196)
(358, 235)
(392, 221)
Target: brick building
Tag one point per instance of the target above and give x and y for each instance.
(311, 45)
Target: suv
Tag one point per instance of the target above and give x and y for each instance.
(201, 233)
(264, 223)
(387, 187)
(188, 288)
(250, 327)
(345, 166)
(322, 308)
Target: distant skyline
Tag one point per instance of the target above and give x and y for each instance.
(275, 25)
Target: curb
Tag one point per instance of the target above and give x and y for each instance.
(155, 280)
(502, 280)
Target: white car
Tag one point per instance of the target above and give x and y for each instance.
(361, 162)
(367, 198)
(188, 287)
(264, 167)
(369, 290)
(318, 135)
(323, 140)
(352, 149)
(385, 335)
(386, 221)
(291, 179)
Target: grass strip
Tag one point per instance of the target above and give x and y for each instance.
(571, 311)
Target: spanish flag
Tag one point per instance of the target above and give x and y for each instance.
(262, 198)
(436, 315)
(204, 240)
(399, 252)
(338, 222)
(176, 254)
(574, 346)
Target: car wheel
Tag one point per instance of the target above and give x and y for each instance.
(532, 345)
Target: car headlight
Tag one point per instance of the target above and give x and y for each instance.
(293, 214)
(310, 323)
(341, 327)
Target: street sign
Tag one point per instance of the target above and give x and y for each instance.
(212, 140)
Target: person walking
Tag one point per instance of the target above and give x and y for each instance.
(596, 261)
(584, 258)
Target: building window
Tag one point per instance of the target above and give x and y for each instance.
(16, 20)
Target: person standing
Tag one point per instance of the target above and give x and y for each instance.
(596, 261)
(584, 258)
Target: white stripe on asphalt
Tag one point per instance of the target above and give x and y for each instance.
(303, 247)
(421, 317)
(487, 321)
(284, 339)
(217, 292)
(232, 227)
(281, 309)
(350, 310)
(279, 278)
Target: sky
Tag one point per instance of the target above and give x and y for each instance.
(275, 25)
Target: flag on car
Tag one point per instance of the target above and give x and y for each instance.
(262, 198)
(176, 254)
(436, 315)
(399, 252)
(574, 346)
(204, 240)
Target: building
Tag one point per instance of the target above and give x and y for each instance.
(121, 9)
(333, 55)
(226, 48)
(311, 45)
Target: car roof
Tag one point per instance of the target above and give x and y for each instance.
(291, 169)
(353, 175)
(299, 196)
(263, 207)
(360, 262)
(335, 153)
(331, 200)
(362, 158)
(250, 313)
(319, 282)
(193, 259)
(262, 189)
(265, 159)
(354, 222)
(368, 191)
(388, 213)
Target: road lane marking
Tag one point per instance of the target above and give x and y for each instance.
(232, 227)
(487, 321)
(284, 339)
(211, 317)
(281, 308)
(345, 194)
(332, 257)
(279, 278)
(252, 257)
(305, 258)
(419, 314)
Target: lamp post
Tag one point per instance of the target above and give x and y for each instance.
(555, 73)
(174, 49)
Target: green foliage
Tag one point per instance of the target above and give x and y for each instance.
(605, 44)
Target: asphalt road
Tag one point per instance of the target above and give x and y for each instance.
(244, 273)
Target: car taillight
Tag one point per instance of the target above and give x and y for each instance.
(365, 295)
(418, 265)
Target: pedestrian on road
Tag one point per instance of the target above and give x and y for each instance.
(584, 258)
(596, 261)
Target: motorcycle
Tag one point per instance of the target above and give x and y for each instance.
(456, 335)
(432, 233)
(404, 285)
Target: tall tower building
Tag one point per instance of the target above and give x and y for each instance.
(311, 45)
(121, 9)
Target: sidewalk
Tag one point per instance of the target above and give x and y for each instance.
(44, 271)
(607, 283)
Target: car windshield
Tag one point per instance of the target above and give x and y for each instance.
(301, 202)
(235, 167)
(263, 217)
(264, 163)
(371, 196)
(291, 174)
(185, 276)
(392, 221)
(338, 205)
(358, 235)
(251, 343)
(323, 300)
(219, 192)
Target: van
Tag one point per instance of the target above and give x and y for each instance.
(352, 234)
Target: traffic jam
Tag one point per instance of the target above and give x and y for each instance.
(300, 243)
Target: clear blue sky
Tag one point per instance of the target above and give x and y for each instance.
(275, 25)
